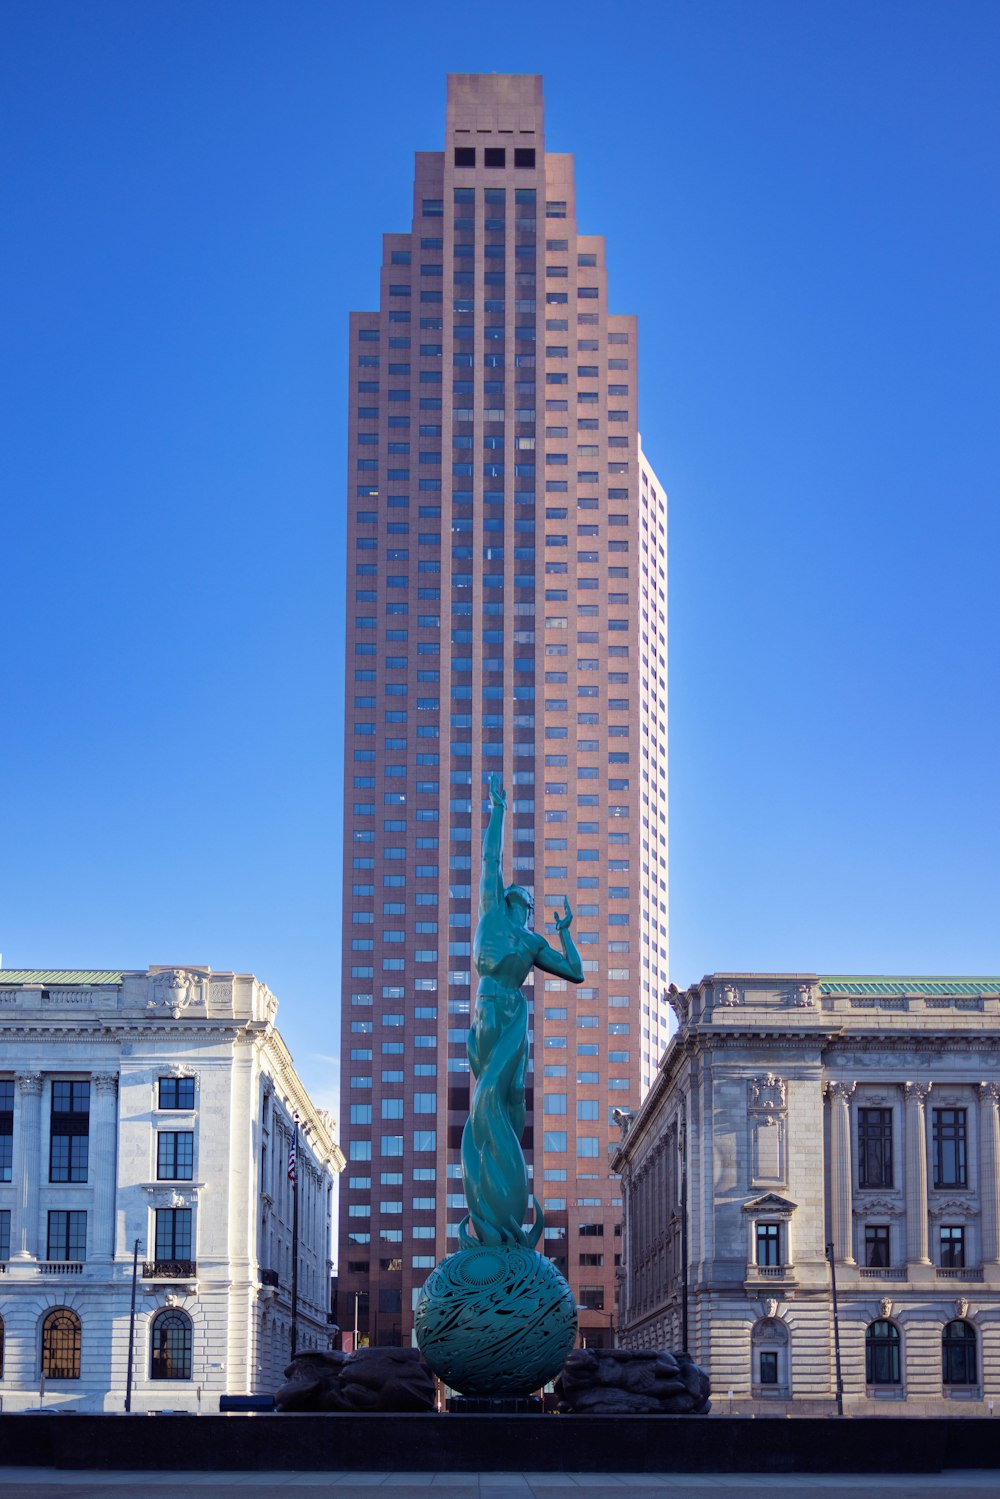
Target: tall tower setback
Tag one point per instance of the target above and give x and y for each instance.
(506, 611)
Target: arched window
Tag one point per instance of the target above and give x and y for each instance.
(958, 1354)
(170, 1346)
(769, 1349)
(882, 1353)
(61, 1345)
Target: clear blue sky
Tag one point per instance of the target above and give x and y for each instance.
(801, 203)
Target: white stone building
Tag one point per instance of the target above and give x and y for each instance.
(792, 1112)
(155, 1108)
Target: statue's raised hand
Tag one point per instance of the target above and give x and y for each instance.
(498, 795)
(563, 922)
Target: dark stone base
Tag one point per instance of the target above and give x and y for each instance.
(495, 1405)
(500, 1444)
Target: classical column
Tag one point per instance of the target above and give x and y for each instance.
(841, 1180)
(989, 1170)
(28, 1126)
(103, 1163)
(916, 1173)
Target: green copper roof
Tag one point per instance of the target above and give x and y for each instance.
(844, 984)
(59, 976)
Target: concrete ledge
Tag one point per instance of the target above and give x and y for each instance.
(497, 1443)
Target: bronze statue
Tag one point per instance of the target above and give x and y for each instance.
(504, 952)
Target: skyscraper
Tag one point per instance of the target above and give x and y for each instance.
(506, 611)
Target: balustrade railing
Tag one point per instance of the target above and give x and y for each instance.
(169, 1269)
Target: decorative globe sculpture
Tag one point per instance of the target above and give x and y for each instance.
(496, 1320)
(496, 1317)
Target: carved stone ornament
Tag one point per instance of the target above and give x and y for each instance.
(768, 1092)
(166, 1198)
(840, 1091)
(917, 1092)
(885, 1307)
(802, 997)
(678, 1002)
(730, 997)
(175, 989)
(990, 1092)
(176, 1069)
(770, 1306)
(623, 1118)
(105, 1082)
(29, 1082)
(961, 1308)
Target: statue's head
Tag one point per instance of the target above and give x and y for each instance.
(519, 903)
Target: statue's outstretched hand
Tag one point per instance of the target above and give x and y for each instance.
(563, 922)
(498, 795)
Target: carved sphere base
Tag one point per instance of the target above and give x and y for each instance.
(495, 1320)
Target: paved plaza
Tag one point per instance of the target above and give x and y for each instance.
(48, 1483)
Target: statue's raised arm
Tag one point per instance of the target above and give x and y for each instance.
(566, 964)
(491, 889)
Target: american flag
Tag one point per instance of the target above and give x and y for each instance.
(291, 1158)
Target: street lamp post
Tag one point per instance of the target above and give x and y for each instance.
(600, 1313)
(684, 1236)
(836, 1332)
(131, 1328)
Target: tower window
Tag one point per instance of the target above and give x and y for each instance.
(465, 156)
(495, 156)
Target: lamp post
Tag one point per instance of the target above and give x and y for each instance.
(131, 1328)
(684, 1236)
(600, 1313)
(836, 1332)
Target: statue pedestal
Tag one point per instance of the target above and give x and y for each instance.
(495, 1320)
(495, 1405)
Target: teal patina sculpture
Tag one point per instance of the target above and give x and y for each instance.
(497, 1317)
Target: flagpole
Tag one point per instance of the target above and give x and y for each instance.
(293, 1172)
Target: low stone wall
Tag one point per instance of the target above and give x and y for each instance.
(497, 1443)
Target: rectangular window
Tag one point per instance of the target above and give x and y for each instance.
(949, 1147)
(70, 1130)
(67, 1238)
(874, 1147)
(768, 1366)
(768, 1237)
(877, 1245)
(952, 1247)
(173, 1233)
(4, 1235)
(175, 1155)
(176, 1092)
(6, 1131)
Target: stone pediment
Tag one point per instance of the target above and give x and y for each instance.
(878, 1207)
(770, 1202)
